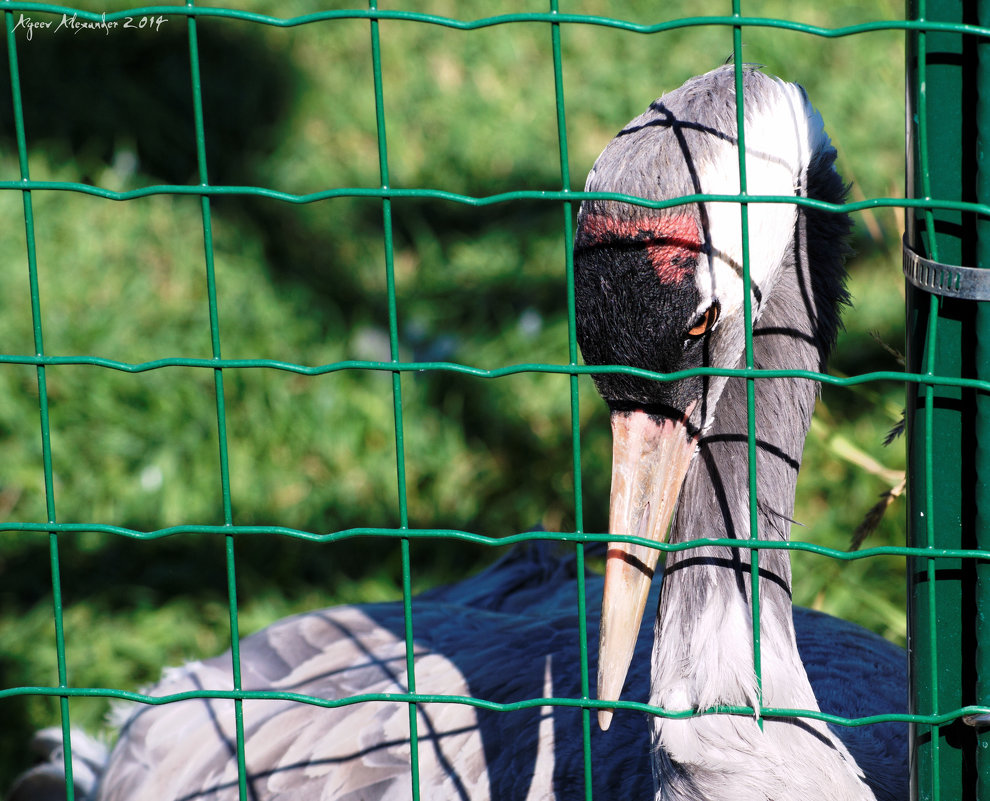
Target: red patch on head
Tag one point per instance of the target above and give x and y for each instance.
(672, 242)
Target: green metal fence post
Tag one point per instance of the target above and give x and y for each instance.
(943, 164)
(982, 423)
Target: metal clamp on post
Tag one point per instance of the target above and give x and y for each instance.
(947, 280)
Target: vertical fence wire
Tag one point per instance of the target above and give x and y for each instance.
(754, 532)
(929, 394)
(42, 383)
(572, 357)
(393, 335)
(221, 406)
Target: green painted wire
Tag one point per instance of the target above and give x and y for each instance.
(45, 424)
(929, 394)
(499, 372)
(495, 706)
(400, 463)
(496, 542)
(218, 382)
(488, 200)
(572, 356)
(754, 532)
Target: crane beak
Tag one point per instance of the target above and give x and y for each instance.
(650, 458)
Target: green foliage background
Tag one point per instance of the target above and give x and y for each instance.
(293, 109)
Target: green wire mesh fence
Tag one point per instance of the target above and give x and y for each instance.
(945, 390)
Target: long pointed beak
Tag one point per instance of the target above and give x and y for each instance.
(650, 458)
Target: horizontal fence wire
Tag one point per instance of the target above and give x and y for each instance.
(497, 372)
(498, 542)
(395, 193)
(387, 195)
(481, 703)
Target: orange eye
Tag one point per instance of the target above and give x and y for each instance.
(705, 322)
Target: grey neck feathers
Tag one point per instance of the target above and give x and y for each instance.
(703, 651)
(709, 588)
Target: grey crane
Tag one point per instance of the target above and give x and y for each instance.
(657, 289)
(664, 290)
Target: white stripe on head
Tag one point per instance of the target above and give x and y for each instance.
(783, 130)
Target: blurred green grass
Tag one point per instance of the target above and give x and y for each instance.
(293, 109)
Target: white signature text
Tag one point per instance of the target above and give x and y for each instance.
(74, 24)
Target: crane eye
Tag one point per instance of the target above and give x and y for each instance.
(705, 321)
